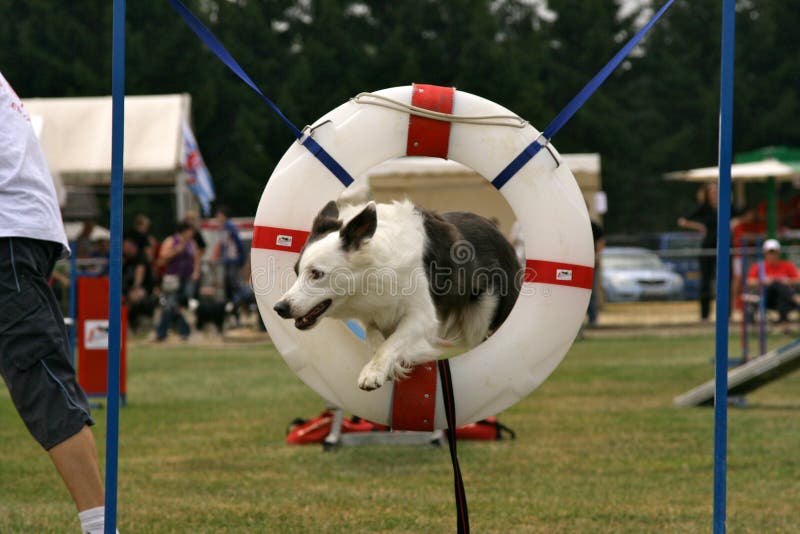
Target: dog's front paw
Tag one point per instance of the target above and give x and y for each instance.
(371, 377)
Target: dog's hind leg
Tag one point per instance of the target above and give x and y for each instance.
(470, 325)
(477, 319)
(410, 344)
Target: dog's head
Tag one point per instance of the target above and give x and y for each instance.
(325, 270)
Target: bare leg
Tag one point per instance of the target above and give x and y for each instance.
(76, 461)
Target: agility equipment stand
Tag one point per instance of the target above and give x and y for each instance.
(336, 438)
(753, 303)
(748, 377)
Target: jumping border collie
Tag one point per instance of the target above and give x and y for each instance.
(415, 279)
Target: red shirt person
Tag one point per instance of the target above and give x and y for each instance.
(779, 278)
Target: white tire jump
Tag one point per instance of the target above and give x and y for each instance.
(558, 243)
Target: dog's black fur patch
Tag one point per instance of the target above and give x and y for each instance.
(466, 256)
(326, 221)
(359, 228)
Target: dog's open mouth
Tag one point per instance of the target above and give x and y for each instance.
(308, 320)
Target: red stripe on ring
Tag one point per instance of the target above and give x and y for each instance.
(273, 238)
(429, 137)
(558, 273)
(414, 402)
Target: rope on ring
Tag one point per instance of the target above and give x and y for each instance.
(373, 99)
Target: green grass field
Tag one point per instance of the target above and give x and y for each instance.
(599, 448)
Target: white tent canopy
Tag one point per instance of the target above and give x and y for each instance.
(76, 137)
(756, 171)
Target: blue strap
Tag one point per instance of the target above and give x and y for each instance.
(215, 46)
(575, 104)
(517, 163)
(327, 160)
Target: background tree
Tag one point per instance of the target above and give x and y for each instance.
(656, 113)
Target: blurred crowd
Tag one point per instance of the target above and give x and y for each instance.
(173, 283)
(758, 272)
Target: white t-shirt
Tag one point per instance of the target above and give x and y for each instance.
(28, 203)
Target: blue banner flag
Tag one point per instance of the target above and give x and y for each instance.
(198, 179)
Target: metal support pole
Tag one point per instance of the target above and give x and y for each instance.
(723, 264)
(115, 261)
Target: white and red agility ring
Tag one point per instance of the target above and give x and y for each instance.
(558, 243)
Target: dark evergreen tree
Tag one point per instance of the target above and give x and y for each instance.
(656, 113)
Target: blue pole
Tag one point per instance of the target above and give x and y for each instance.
(723, 262)
(115, 261)
(73, 300)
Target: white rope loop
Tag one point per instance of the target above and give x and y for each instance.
(373, 99)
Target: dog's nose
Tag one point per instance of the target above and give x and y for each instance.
(283, 309)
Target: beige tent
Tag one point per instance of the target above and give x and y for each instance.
(75, 134)
(754, 171)
(445, 185)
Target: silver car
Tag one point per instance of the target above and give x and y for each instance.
(632, 273)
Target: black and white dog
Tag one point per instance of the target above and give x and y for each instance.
(416, 280)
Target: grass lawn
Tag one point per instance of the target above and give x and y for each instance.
(599, 448)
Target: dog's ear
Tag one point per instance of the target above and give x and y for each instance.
(330, 211)
(360, 228)
(327, 220)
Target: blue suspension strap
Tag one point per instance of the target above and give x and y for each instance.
(575, 104)
(215, 46)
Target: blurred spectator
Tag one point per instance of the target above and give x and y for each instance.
(793, 212)
(101, 253)
(231, 253)
(84, 248)
(704, 221)
(145, 241)
(786, 205)
(780, 279)
(137, 282)
(193, 219)
(599, 243)
(181, 271)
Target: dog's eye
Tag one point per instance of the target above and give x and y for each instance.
(316, 274)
